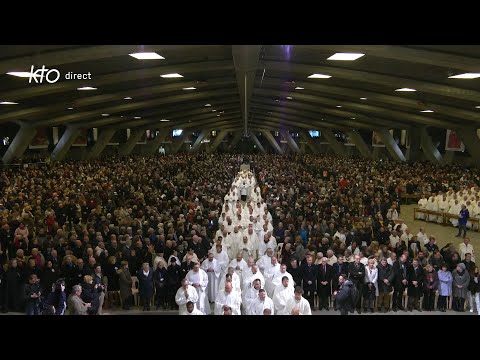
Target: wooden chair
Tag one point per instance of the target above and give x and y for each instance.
(135, 286)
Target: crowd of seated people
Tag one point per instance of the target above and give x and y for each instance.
(105, 225)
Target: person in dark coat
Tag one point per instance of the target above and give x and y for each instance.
(125, 283)
(13, 287)
(90, 295)
(461, 279)
(49, 277)
(339, 268)
(309, 274)
(294, 270)
(160, 280)
(33, 295)
(356, 272)
(430, 286)
(400, 282)
(324, 284)
(145, 288)
(343, 303)
(56, 301)
(415, 275)
(174, 278)
(385, 285)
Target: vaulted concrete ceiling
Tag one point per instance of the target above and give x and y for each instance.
(254, 85)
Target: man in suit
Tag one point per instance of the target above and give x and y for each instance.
(400, 282)
(416, 275)
(309, 279)
(324, 280)
(339, 268)
(356, 272)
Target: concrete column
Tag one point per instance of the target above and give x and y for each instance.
(198, 142)
(291, 142)
(362, 147)
(311, 144)
(236, 138)
(218, 140)
(268, 135)
(429, 148)
(154, 145)
(20, 143)
(391, 145)
(103, 139)
(448, 157)
(65, 143)
(469, 137)
(413, 152)
(257, 142)
(303, 149)
(336, 146)
(135, 136)
(178, 144)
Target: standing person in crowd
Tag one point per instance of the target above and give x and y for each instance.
(474, 290)
(463, 217)
(160, 281)
(356, 271)
(184, 295)
(343, 296)
(445, 287)
(371, 286)
(32, 295)
(298, 305)
(145, 286)
(198, 278)
(430, 287)
(461, 279)
(309, 273)
(385, 287)
(56, 301)
(174, 278)
(125, 283)
(400, 282)
(415, 277)
(324, 284)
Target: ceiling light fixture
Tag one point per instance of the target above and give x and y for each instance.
(346, 56)
(465, 76)
(170, 76)
(127, 98)
(190, 88)
(137, 117)
(8, 103)
(289, 98)
(319, 76)
(70, 108)
(207, 105)
(299, 88)
(164, 120)
(339, 106)
(147, 56)
(363, 98)
(105, 114)
(427, 111)
(87, 88)
(213, 110)
(405, 89)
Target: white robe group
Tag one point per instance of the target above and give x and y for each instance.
(200, 278)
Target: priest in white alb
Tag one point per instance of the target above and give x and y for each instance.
(198, 278)
(261, 303)
(298, 304)
(185, 294)
(269, 273)
(228, 297)
(213, 270)
(282, 294)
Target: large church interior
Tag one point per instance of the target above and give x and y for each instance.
(239, 180)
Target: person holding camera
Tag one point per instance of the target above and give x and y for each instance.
(32, 295)
(56, 301)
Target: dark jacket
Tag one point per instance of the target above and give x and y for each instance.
(399, 275)
(430, 281)
(309, 273)
(356, 274)
(385, 272)
(343, 303)
(145, 284)
(418, 275)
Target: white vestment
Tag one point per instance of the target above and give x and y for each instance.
(269, 273)
(281, 295)
(236, 283)
(194, 312)
(181, 299)
(200, 278)
(213, 271)
(239, 266)
(301, 305)
(257, 306)
(248, 278)
(231, 299)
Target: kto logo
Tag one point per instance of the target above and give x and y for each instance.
(51, 75)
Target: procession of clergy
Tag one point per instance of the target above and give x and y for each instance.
(242, 275)
(451, 203)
